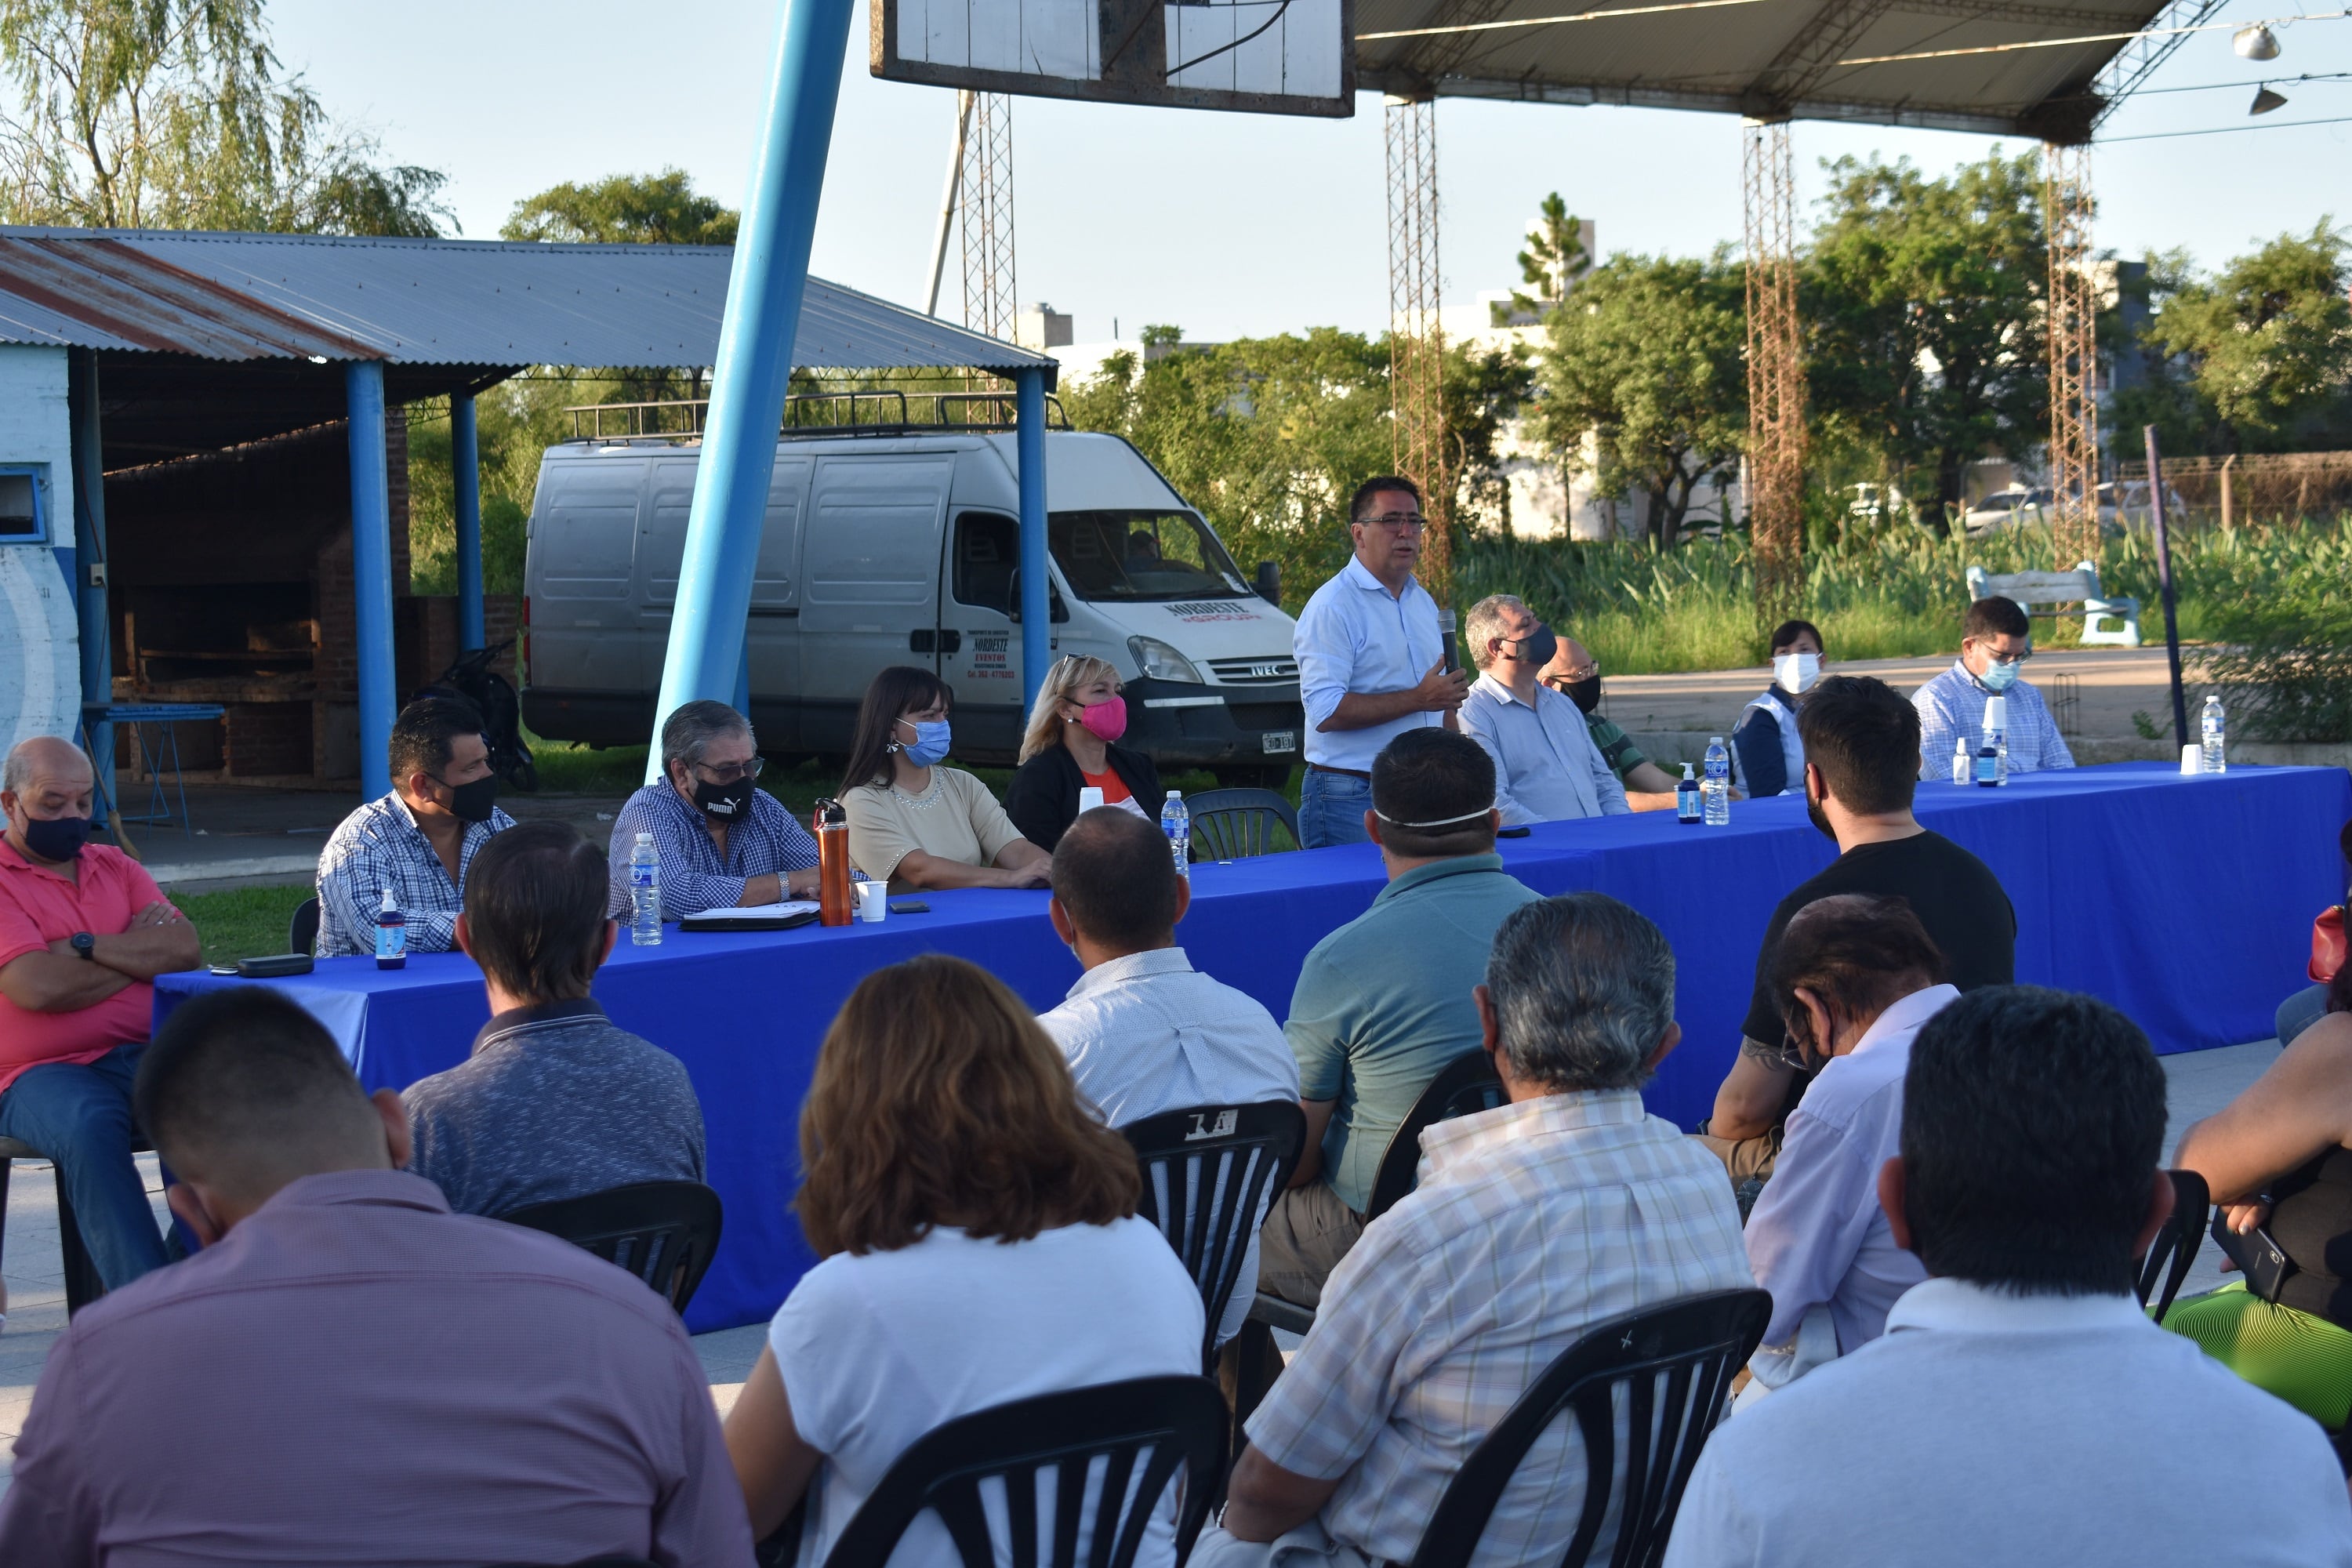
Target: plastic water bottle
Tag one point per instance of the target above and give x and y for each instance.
(645, 893)
(1964, 760)
(391, 935)
(2215, 727)
(1716, 794)
(1176, 821)
(1687, 805)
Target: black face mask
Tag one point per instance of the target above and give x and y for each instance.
(472, 801)
(1537, 646)
(1585, 693)
(724, 803)
(57, 838)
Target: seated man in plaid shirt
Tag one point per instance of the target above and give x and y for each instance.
(418, 840)
(1532, 1221)
(1996, 639)
(724, 843)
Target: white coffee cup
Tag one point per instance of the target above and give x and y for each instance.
(2192, 758)
(873, 902)
(1090, 796)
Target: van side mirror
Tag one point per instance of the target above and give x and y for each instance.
(1269, 582)
(1056, 612)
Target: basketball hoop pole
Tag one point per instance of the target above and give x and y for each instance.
(707, 648)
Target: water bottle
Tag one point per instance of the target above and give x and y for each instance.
(1992, 745)
(391, 935)
(1715, 796)
(645, 893)
(1687, 806)
(1964, 760)
(2215, 729)
(1177, 823)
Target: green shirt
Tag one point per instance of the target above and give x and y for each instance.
(1383, 1003)
(1617, 748)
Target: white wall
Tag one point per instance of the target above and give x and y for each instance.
(40, 657)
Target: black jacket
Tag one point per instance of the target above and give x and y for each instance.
(1043, 799)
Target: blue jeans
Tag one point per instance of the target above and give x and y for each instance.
(2300, 1012)
(1331, 810)
(80, 1116)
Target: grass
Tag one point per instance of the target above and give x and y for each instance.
(243, 923)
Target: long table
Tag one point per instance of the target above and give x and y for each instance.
(2185, 901)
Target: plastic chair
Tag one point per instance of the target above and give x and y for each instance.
(1235, 823)
(83, 1282)
(1155, 1425)
(1673, 1363)
(1206, 1174)
(1464, 1086)
(302, 931)
(2174, 1249)
(663, 1232)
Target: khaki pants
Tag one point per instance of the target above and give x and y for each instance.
(1747, 1159)
(1307, 1232)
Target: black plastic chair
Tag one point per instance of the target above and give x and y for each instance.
(1235, 823)
(1156, 1424)
(83, 1282)
(1464, 1086)
(663, 1232)
(1206, 1174)
(2174, 1249)
(1675, 1364)
(302, 931)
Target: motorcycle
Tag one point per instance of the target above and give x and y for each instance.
(472, 679)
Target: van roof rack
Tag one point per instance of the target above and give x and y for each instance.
(885, 412)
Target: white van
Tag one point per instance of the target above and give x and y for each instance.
(902, 548)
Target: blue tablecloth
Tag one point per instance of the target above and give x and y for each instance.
(2187, 901)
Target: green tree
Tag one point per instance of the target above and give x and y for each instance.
(170, 114)
(1555, 256)
(2267, 345)
(1649, 356)
(624, 209)
(1924, 303)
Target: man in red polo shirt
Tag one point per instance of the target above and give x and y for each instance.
(83, 932)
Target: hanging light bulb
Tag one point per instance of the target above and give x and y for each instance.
(2265, 100)
(2255, 43)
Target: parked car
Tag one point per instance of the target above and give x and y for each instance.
(2133, 511)
(903, 549)
(2005, 508)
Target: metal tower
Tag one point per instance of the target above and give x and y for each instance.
(986, 207)
(1775, 373)
(1416, 347)
(2074, 311)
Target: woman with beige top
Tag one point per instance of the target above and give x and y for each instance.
(918, 824)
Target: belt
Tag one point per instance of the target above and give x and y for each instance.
(1345, 772)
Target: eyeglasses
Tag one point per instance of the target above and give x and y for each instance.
(729, 772)
(2008, 658)
(1399, 522)
(1560, 683)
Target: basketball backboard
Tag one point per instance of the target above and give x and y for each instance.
(1269, 57)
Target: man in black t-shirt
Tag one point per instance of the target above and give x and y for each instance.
(1861, 763)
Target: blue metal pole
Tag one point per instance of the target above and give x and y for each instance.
(754, 366)
(371, 572)
(466, 466)
(1029, 438)
(90, 546)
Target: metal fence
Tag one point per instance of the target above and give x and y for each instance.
(2274, 486)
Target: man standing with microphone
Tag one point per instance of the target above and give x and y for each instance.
(1371, 662)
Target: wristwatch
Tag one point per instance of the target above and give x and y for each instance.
(86, 944)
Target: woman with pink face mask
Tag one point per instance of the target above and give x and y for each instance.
(1072, 744)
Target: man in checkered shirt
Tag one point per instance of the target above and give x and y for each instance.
(1533, 1221)
(1996, 639)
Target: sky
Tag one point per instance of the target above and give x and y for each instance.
(1223, 224)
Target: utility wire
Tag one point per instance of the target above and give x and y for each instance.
(2226, 130)
(2241, 86)
(1547, 21)
(2087, 38)
(1228, 48)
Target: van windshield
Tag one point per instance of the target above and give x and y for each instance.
(1142, 555)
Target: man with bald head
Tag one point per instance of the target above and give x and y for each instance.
(1575, 674)
(348, 1373)
(84, 931)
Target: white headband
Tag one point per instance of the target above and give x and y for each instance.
(1441, 822)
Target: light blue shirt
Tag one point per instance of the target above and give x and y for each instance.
(1546, 768)
(1355, 636)
(1953, 705)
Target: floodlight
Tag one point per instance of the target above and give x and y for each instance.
(2265, 100)
(2255, 43)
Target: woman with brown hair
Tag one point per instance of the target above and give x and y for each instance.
(978, 1242)
(914, 822)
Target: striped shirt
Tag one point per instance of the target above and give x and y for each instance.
(1953, 704)
(694, 875)
(1532, 1221)
(378, 846)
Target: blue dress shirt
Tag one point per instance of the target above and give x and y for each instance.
(694, 875)
(1546, 768)
(1953, 704)
(378, 846)
(1355, 636)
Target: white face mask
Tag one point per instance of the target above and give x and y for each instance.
(1796, 672)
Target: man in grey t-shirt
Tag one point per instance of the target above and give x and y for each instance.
(554, 1102)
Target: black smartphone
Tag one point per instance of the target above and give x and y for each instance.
(2260, 1259)
(909, 907)
(1520, 832)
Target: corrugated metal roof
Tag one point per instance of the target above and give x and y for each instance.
(432, 301)
(1776, 59)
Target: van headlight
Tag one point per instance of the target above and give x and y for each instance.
(1157, 661)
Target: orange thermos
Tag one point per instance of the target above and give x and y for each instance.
(835, 906)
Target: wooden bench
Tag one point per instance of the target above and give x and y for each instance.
(2079, 587)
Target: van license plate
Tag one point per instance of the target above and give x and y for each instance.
(1281, 741)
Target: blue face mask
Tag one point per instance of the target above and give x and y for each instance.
(930, 745)
(2000, 677)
